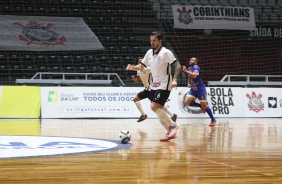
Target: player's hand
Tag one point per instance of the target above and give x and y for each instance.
(184, 68)
(134, 78)
(174, 84)
(129, 67)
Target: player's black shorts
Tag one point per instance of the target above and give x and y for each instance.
(144, 94)
(159, 96)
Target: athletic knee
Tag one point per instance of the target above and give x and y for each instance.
(136, 99)
(187, 103)
(154, 107)
(204, 107)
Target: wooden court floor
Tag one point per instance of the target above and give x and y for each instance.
(236, 150)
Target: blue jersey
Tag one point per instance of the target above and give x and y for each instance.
(197, 83)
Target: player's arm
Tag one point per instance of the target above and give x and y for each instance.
(193, 74)
(135, 67)
(188, 84)
(177, 70)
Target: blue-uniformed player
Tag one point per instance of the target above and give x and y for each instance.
(198, 89)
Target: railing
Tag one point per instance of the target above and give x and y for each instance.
(249, 80)
(69, 79)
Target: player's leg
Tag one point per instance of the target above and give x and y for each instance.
(141, 95)
(195, 104)
(190, 99)
(205, 108)
(172, 115)
(158, 99)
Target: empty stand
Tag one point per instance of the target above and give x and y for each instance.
(123, 28)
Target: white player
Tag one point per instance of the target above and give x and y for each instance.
(146, 78)
(160, 60)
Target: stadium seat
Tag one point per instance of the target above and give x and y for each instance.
(195, 2)
(129, 59)
(120, 40)
(258, 10)
(164, 2)
(204, 2)
(75, 3)
(113, 50)
(52, 10)
(262, 3)
(253, 3)
(89, 58)
(124, 50)
(103, 59)
(15, 59)
(234, 3)
(272, 3)
(29, 10)
(275, 18)
(4, 59)
(4, 71)
(243, 2)
(116, 60)
(174, 2)
(77, 59)
(257, 18)
(28, 59)
(214, 2)
(223, 2)
(40, 11)
(265, 18)
(267, 10)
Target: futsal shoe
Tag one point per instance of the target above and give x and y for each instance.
(213, 122)
(166, 138)
(142, 118)
(172, 131)
(174, 117)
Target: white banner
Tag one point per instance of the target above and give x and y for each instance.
(115, 102)
(90, 102)
(213, 17)
(46, 34)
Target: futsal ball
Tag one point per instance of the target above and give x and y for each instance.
(124, 136)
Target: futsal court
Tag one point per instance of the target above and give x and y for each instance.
(236, 150)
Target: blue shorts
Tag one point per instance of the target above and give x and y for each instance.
(201, 95)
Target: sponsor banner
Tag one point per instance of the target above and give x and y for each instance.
(20, 127)
(234, 102)
(42, 33)
(19, 102)
(34, 146)
(90, 102)
(113, 102)
(213, 17)
(266, 32)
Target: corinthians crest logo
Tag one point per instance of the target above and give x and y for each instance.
(255, 104)
(184, 16)
(35, 33)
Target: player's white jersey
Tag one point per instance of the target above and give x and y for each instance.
(160, 64)
(146, 77)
